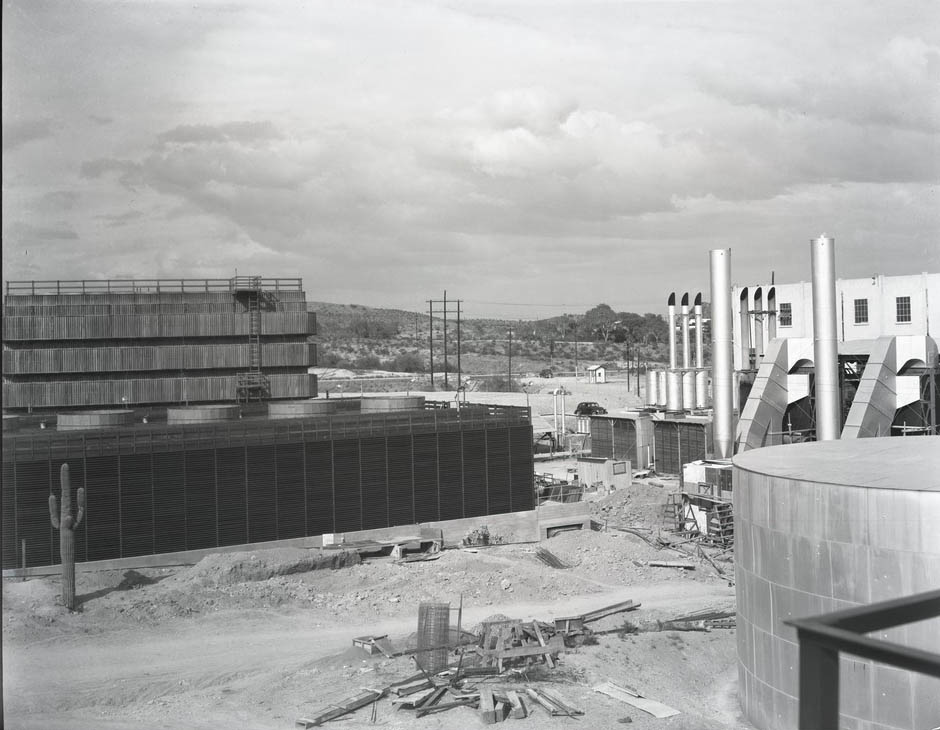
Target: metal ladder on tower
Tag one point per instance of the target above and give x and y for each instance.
(252, 384)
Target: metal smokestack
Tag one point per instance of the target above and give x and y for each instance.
(825, 346)
(722, 362)
(701, 377)
(672, 330)
(688, 377)
(759, 323)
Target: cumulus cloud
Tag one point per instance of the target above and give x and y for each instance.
(434, 144)
(19, 132)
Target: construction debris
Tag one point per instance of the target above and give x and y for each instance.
(575, 624)
(366, 697)
(550, 559)
(671, 564)
(634, 698)
(375, 644)
(552, 703)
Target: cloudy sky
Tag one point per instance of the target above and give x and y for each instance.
(532, 158)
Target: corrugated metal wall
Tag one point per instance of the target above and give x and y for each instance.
(602, 443)
(624, 440)
(678, 443)
(148, 358)
(183, 499)
(81, 393)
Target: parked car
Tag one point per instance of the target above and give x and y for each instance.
(589, 408)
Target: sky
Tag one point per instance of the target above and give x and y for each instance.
(530, 158)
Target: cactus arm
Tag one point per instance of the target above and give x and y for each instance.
(54, 511)
(81, 506)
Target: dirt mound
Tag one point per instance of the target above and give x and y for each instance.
(221, 569)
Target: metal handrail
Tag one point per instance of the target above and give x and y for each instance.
(147, 286)
(822, 638)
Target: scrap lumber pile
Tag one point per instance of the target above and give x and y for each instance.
(514, 644)
(503, 646)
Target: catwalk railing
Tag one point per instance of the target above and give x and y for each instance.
(823, 637)
(155, 438)
(140, 286)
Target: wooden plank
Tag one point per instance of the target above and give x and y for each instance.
(671, 564)
(444, 706)
(541, 701)
(366, 697)
(487, 706)
(542, 642)
(555, 644)
(564, 707)
(518, 711)
(654, 708)
(610, 610)
(501, 710)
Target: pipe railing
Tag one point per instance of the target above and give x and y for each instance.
(150, 286)
(822, 638)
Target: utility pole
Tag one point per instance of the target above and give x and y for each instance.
(638, 371)
(431, 338)
(446, 384)
(443, 303)
(509, 385)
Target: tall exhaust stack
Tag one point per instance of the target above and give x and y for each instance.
(722, 361)
(701, 377)
(688, 377)
(671, 309)
(825, 344)
(673, 377)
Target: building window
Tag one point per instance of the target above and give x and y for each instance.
(861, 311)
(786, 314)
(904, 309)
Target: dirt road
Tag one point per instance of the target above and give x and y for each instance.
(258, 669)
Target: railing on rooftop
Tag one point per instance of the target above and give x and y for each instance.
(152, 438)
(823, 637)
(150, 286)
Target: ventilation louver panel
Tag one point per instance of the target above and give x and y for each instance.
(137, 526)
(401, 507)
(449, 475)
(233, 508)
(262, 494)
(374, 481)
(319, 468)
(348, 504)
(290, 491)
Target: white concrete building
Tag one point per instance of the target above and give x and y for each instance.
(869, 308)
(887, 329)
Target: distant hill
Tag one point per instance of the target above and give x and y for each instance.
(356, 336)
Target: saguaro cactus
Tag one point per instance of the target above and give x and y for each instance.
(66, 525)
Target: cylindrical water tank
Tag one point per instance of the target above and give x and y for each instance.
(202, 414)
(83, 420)
(309, 408)
(833, 525)
(652, 388)
(701, 388)
(673, 390)
(372, 404)
(661, 391)
(688, 390)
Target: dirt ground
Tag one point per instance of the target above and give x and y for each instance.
(259, 639)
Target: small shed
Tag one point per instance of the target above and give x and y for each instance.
(597, 374)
